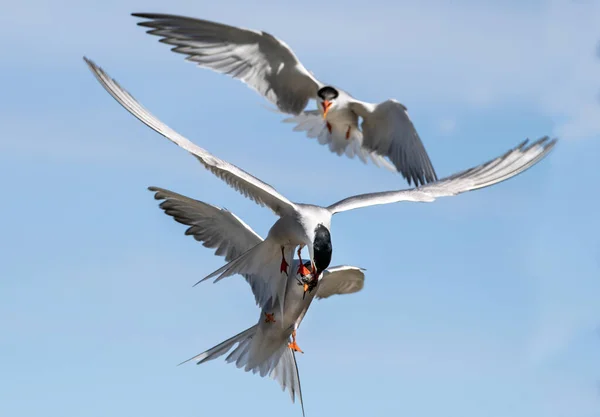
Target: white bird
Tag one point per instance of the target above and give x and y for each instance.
(308, 225)
(270, 67)
(264, 347)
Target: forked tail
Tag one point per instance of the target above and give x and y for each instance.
(280, 365)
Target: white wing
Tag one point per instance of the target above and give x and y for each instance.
(492, 172)
(217, 229)
(312, 123)
(257, 58)
(340, 280)
(388, 131)
(248, 185)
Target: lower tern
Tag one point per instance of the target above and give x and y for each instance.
(309, 225)
(265, 347)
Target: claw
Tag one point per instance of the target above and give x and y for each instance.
(284, 265)
(269, 317)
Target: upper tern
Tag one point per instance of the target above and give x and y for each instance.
(270, 67)
(264, 347)
(309, 225)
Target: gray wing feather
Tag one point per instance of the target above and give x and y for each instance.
(388, 131)
(260, 60)
(215, 228)
(248, 185)
(512, 163)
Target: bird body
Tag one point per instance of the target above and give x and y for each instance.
(270, 67)
(309, 225)
(266, 347)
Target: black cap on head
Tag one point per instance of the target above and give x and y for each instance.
(328, 93)
(322, 248)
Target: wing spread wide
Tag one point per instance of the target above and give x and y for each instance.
(248, 185)
(512, 163)
(258, 59)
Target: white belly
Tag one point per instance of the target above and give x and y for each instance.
(342, 119)
(288, 231)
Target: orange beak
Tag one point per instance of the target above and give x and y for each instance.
(326, 106)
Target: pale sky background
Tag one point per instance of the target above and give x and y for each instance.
(485, 304)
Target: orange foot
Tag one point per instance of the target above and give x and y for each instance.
(329, 127)
(294, 345)
(270, 318)
(284, 264)
(348, 132)
(303, 270)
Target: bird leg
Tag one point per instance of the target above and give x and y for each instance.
(328, 127)
(302, 270)
(284, 264)
(294, 346)
(269, 317)
(348, 132)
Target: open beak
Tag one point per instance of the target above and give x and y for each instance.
(326, 105)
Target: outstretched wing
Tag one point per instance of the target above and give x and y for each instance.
(343, 279)
(510, 164)
(388, 131)
(248, 185)
(259, 59)
(217, 229)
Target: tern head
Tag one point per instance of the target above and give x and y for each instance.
(326, 97)
(321, 250)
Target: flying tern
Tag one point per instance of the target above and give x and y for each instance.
(308, 225)
(264, 347)
(269, 66)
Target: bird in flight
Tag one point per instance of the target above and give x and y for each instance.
(309, 225)
(269, 66)
(265, 347)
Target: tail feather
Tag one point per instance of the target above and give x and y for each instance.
(280, 365)
(261, 266)
(286, 373)
(313, 124)
(241, 354)
(238, 265)
(244, 338)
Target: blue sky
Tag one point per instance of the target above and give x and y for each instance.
(482, 304)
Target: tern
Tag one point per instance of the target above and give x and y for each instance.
(309, 225)
(264, 347)
(271, 68)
